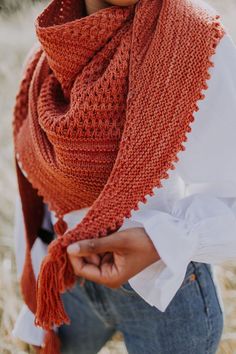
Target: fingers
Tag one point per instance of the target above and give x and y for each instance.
(93, 259)
(105, 273)
(77, 264)
(107, 258)
(87, 247)
(85, 270)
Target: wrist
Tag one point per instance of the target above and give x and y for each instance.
(147, 245)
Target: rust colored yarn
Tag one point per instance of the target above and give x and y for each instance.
(102, 111)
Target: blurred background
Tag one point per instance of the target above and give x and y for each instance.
(16, 37)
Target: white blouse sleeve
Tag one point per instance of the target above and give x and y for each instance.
(201, 226)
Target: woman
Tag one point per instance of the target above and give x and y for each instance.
(104, 108)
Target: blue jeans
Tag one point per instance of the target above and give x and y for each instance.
(192, 323)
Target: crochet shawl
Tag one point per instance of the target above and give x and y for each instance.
(103, 108)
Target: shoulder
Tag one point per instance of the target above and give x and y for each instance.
(198, 9)
(222, 83)
(209, 154)
(217, 112)
(225, 57)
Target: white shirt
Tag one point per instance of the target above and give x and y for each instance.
(193, 217)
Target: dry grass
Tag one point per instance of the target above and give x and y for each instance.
(16, 36)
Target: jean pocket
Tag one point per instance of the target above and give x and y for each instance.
(210, 297)
(213, 310)
(190, 276)
(215, 287)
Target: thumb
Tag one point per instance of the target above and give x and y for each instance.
(99, 245)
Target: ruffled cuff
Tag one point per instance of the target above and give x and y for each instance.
(176, 243)
(199, 228)
(157, 285)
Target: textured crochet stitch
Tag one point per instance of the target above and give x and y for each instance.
(103, 108)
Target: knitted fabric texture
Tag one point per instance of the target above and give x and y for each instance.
(103, 109)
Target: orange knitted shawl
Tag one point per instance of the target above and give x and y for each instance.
(101, 114)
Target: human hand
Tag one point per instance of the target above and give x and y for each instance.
(114, 259)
